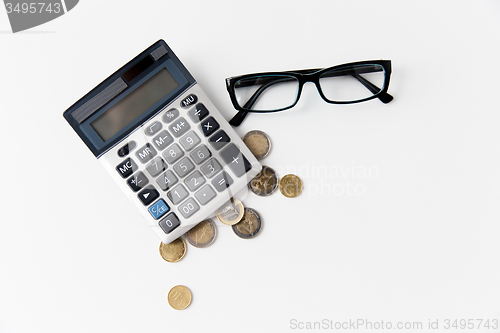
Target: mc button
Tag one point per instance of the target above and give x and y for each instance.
(126, 168)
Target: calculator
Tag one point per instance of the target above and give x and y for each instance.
(162, 140)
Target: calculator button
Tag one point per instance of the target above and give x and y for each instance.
(153, 128)
(177, 194)
(184, 167)
(189, 140)
(189, 100)
(211, 168)
(173, 153)
(236, 161)
(198, 113)
(169, 223)
(219, 140)
(166, 180)
(170, 115)
(145, 153)
(194, 181)
(158, 209)
(179, 127)
(205, 194)
(157, 166)
(126, 167)
(209, 126)
(188, 208)
(148, 195)
(200, 154)
(222, 181)
(162, 140)
(123, 151)
(137, 181)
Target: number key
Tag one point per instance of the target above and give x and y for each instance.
(194, 181)
(157, 166)
(211, 168)
(189, 140)
(169, 223)
(173, 153)
(184, 167)
(200, 154)
(177, 194)
(189, 207)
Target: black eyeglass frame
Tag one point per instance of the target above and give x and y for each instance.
(310, 75)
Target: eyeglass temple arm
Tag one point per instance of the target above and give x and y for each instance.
(240, 116)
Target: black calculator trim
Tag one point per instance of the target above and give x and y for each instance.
(136, 71)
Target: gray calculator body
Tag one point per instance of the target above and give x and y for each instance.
(163, 141)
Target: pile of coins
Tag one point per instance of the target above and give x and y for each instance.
(267, 181)
(245, 222)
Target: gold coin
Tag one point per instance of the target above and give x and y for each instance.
(203, 234)
(179, 297)
(258, 142)
(232, 213)
(249, 226)
(290, 186)
(173, 252)
(265, 183)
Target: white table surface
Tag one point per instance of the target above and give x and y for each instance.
(399, 220)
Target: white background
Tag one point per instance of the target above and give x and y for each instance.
(415, 238)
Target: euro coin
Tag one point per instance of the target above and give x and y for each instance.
(265, 183)
(258, 142)
(179, 297)
(174, 251)
(203, 234)
(232, 212)
(249, 226)
(290, 186)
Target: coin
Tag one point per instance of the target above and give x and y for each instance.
(203, 234)
(179, 297)
(258, 142)
(232, 213)
(173, 252)
(290, 186)
(265, 183)
(249, 226)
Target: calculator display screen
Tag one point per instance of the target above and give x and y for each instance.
(136, 103)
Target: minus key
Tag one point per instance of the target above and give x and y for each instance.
(219, 140)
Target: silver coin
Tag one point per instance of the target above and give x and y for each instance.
(231, 213)
(203, 234)
(258, 142)
(265, 183)
(249, 226)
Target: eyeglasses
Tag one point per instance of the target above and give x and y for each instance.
(277, 91)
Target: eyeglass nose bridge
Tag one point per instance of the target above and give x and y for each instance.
(310, 76)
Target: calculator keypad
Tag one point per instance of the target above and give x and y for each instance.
(181, 163)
